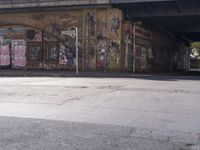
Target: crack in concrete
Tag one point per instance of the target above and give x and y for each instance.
(160, 90)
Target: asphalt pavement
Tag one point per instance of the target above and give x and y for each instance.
(136, 112)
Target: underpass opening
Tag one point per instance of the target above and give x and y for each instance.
(27, 47)
(195, 57)
(174, 26)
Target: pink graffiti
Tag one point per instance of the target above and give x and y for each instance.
(4, 55)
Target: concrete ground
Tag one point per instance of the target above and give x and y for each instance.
(147, 112)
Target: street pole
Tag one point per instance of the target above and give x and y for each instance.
(134, 47)
(77, 66)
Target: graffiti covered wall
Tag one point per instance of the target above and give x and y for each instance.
(43, 43)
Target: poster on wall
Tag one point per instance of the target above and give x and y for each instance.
(52, 50)
(19, 53)
(35, 52)
(4, 55)
(62, 56)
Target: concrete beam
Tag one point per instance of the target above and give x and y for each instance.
(189, 29)
(179, 5)
(6, 4)
(167, 8)
(137, 1)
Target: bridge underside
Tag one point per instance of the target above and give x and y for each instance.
(181, 17)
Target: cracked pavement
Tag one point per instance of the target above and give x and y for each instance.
(161, 112)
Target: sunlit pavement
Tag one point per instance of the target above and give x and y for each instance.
(144, 113)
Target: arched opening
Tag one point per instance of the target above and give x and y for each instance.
(24, 47)
(27, 47)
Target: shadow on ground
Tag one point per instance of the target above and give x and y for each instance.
(172, 76)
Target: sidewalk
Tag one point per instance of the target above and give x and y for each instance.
(53, 73)
(62, 73)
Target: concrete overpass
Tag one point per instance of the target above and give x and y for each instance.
(180, 18)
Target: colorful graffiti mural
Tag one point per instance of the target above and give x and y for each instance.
(99, 38)
(13, 46)
(67, 51)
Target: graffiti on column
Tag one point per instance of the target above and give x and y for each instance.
(102, 33)
(91, 22)
(4, 55)
(115, 24)
(128, 41)
(90, 50)
(89, 39)
(19, 53)
(101, 52)
(113, 54)
(92, 60)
